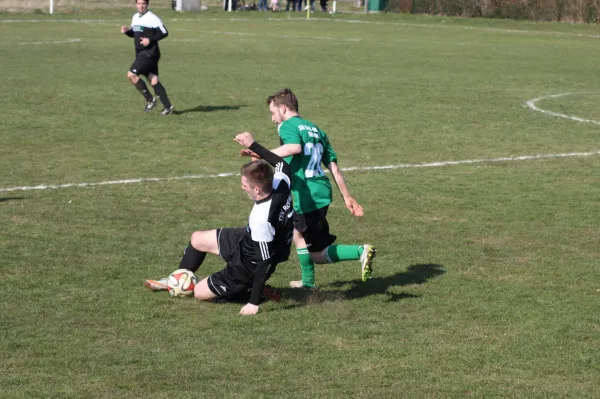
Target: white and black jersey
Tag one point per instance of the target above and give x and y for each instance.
(270, 225)
(147, 25)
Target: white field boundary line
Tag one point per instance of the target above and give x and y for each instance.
(216, 32)
(56, 21)
(532, 105)
(358, 168)
(65, 41)
(50, 42)
(347, 21)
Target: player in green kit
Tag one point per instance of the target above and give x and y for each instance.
(305, 147)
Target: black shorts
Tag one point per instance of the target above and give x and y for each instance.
(145, 64)
(234, 278)
(315, 229)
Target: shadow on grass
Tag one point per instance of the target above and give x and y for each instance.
(293, 297)
(6, 199)
(208, 108)
(415, 274)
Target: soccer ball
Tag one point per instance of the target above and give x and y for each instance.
(181, 283)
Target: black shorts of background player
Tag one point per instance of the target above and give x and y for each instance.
(146, 30)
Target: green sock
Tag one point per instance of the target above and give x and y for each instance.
(307, 266)
(338, 253)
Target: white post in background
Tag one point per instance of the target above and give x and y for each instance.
(334, 2)
(51, 6)
(178, 5)
(229, 5)
(366, 6)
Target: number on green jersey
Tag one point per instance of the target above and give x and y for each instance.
(315, 151)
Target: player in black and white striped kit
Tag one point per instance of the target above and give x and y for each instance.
(253, 252)
(146, 30)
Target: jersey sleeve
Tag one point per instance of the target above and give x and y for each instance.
(154, 21)
(329, 155)
(289, 135)
(283, 171)
(258, 285)
(160, 31)
(263, 236)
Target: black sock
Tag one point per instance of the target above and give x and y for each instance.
(142, 88)
(192, 258)
(160, 91)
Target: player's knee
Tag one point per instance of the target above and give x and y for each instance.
(319, 258)
(153, 79)
(298, 239)
(202, 292)
(197, 293)
(197, 240)
(132, 77)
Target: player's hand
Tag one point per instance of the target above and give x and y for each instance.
(249, 309)
(354, 207)
(124, 29)
(245, 139)
(144, 41)
(249, 153)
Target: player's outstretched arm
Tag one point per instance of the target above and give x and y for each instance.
(287, 150)
(246, 140)
(353, 206)
(258, 285)
(247, 153)
(127, 31)
(283, 151)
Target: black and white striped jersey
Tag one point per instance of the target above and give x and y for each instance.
(270, 225)
(147, 25)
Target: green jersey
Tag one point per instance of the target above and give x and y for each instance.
(311, 189)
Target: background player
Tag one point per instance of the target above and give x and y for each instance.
(147, 29)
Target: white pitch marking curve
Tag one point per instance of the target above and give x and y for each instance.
(360, 168)
(532, 105)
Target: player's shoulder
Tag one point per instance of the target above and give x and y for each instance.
(152, 18)
(298, 124)
(307, 127)
(291, 123)
(279, 178)
(288, 127)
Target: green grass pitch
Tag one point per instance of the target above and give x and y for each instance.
(487, 280)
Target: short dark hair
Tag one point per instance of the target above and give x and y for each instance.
(146, 1)
(259, 173)
(284, 97)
